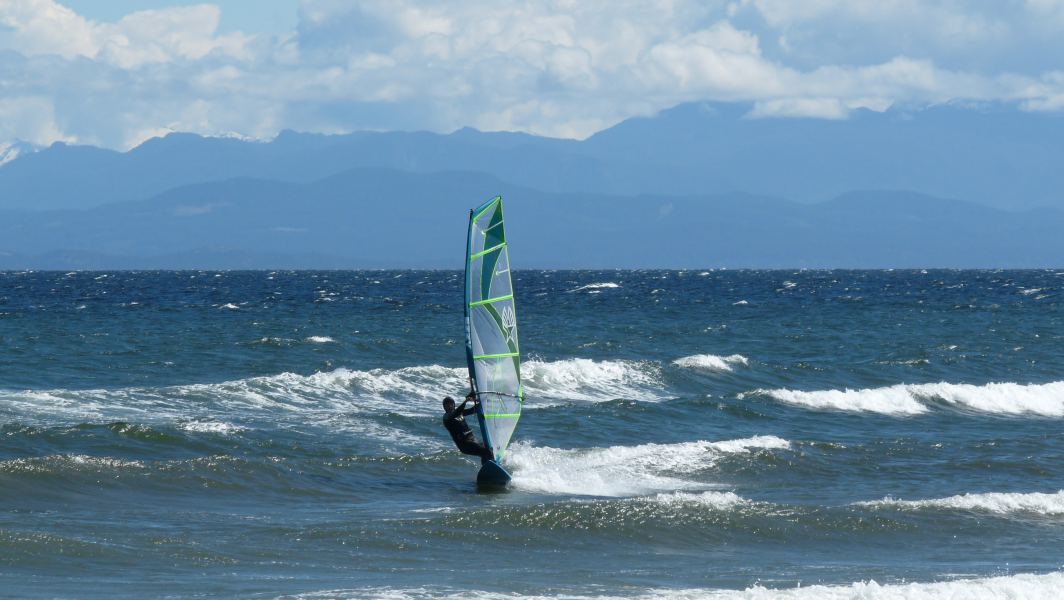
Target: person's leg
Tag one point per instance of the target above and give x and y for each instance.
(476, 449)
(469, 447)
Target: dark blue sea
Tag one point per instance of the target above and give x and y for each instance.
(686, 434)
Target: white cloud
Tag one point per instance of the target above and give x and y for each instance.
(32, 119)
(45, 27)
(42, 27)
(820, 108)
(556, 67)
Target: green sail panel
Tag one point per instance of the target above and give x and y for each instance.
(492, 350)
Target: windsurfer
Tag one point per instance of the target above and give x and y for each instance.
(454, 421)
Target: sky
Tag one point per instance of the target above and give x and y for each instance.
(258, 16)
(115, 73)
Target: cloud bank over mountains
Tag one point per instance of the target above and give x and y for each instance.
(552, 67)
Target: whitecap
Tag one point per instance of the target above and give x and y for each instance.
(320, 339)
(1003, 503)
(217, 427)
(711, 362)
(894, 400)
(1045, 586)
(337, 397)
(607, 285)
(1045, 400)
(590, 380)
(624, 470)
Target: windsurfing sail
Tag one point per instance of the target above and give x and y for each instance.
(492, 351)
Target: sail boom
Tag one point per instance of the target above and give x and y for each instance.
(491, 300)
(473, 257)
(493, 356)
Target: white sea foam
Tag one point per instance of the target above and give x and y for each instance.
(411, 391)
(217, 427)
(590, 380)
(623, 470)
(894, 400)
(320, 339)
(713, 500)
(1004, 398)
(1046, 586)
(1045, 400)
(607, 285)
(230, 306)
(711, 362)
(1034, 503)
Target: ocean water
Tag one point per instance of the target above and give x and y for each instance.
(687, 434)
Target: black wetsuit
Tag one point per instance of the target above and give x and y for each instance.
(462, 435)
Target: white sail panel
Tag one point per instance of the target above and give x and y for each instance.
(492, 348)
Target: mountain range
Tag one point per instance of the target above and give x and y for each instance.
(699, 185)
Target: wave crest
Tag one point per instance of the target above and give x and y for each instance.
(1027, 586)
(711, 362)
(624, 470)
(1045, 400)
(589, 380)
(1034, 503)
(894, 400)
(409, 391)
(606, 285)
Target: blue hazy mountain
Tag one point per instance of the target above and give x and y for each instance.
(64, 176)
(994, 155)
(374, 217)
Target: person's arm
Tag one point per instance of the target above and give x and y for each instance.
(471, 410)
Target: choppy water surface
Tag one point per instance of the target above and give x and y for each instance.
(687, 434)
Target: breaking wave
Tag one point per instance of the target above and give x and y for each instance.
(1027, 586)
(895, 400)
(409, 391)
(624, 470)
(607, 285)
(711, 362)
(1046, 400)
(590, 380)
(1034, 503)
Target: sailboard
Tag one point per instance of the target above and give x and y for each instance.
(492, 350)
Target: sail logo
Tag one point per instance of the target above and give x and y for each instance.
(509, 321)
